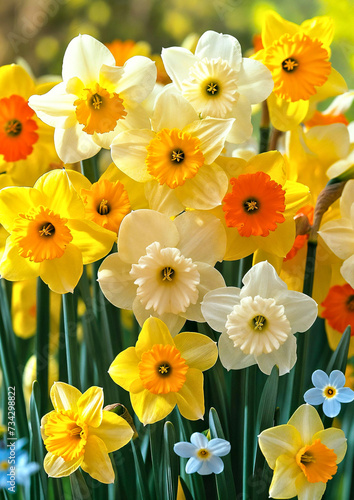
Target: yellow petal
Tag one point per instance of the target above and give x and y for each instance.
(279, 241)
(261, 255)
(124, 369)
(62, 274)
(321, 27)
(190, 399)
(154, 331)
(78, 180)
(93, 240)
(274, 26)
(14, 79)
(64, 396)
(335, 440)
(151, 408)
(114, 431)
(13, 267)
(286, 115)
(309, 491)
(280, 440)
(90, 406)
(272, 163)
(96, 460)
(285, 474)
(335, 85)
(16, 200)
(307, 421)
(199, 351)
(57, 467)
(296, 196)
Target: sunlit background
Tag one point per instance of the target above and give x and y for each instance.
(39, 31)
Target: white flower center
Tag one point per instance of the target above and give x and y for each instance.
(211, 87)
(167, 281)
(258, 325)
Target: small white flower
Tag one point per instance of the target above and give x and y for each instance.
(329, 391)
(204, 455)
(258, 322)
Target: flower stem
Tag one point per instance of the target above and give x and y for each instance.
(70, 340)
(42, 342)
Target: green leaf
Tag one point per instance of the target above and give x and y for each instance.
(185, 489)
(140, 471)
(70, 328)
(170, 469)
(36, 438)
(156, 448)
(339, 358)
(42, 342)
(225, 480)
(79, 487)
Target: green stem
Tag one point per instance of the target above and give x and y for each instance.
(89, 168)
(42, 342)
(248, 427)
(72, 357)
(245, 266)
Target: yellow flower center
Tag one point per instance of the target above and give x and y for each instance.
(173, 157)
(162, 369)
(203, 454)
(298, 64)
(99, 110)
(4, 465)
(317, 462)
(212, 88)
(66, 434)
(41, 234)
(106, 203)
(329, 392)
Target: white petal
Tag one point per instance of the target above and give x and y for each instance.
(202, 236)
(320, 379)
(73, 144)
(331, 407)
(219, 447)
(218, 304)
(129, 153)
(172, 110)
(173, 322)
(199, 440)
(212, 133)
(56, 107)
(254, 81)
(231, 357)
(84, 57)
(284, 358)
(262, 279)
(193, 465)
(300, 310)
(341, 103)
(141, 228)
(347, 271)
(347, 198)
(214, 45)
(242, 128)
(116, 282)
(314, 396)
(215, 465)
(339, 236)
(184, 449)
(138, 79)
(337, 379)
(177, 62)
(162, 198)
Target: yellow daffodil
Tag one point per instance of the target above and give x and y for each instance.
(303, 455)
(298, 58)
(176, 158)
(339, 234)
(80, 433)
(30, 375)
(334, 113)
(163, 268)
(49, 236)
(96, 99)
(218, 82)
(258, 322)
(259, 208)
(109, 199)
(161, 372)
(26, 143)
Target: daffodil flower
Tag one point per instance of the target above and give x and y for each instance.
(298, 58)
(303, 455)
(96, 99)
(26, 143)
(259, 208)
(161, 372)
(218, 81)
(79, 433)
(204, 455)
(176, 158)
(164, 268)
(258, 322)
(339, 234)
(329, 391)
(49, 236)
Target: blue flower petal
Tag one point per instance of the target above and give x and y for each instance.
(199, 440)
(219, 447)
(320, 379)
(184, 449)
(331, 407)
(193, 465)
(345, 395)
(337, 379)
(314, 396)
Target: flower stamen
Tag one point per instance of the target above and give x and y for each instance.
(167, 273)
(212, 88)
(289, 64)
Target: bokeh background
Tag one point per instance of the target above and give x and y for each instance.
(39, 30)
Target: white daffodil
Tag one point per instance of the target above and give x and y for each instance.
(258, 322)
(176, 158)
(96, 99)
(164, 268)
(218, 81)
(339, 234)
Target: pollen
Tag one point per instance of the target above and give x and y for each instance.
(255, 205)
(212, 88)
(162, 369)
(174, 156)
(317, 462)
(289, 64)
(99, 110)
